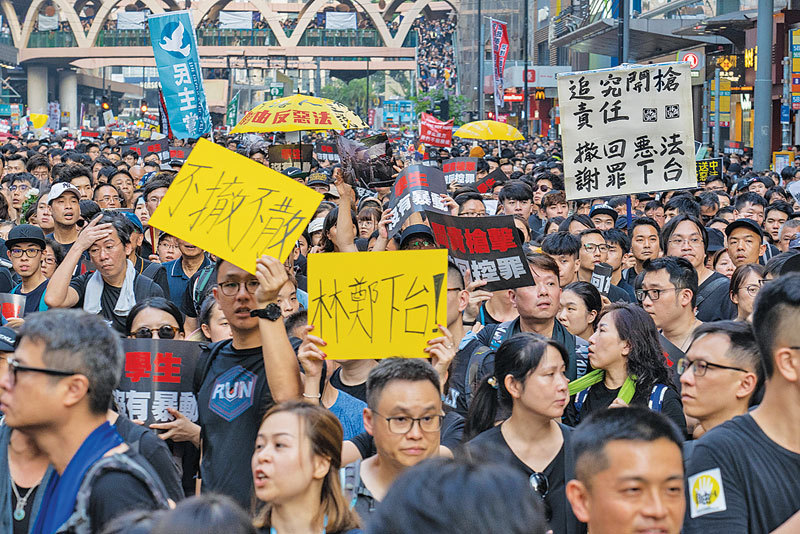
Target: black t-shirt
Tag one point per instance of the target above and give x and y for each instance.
(491, 446)
(33, 299)
(740, 481)
(6, 282)
(484, 317)
(600, 397)
(715, 305)
(22, 526)
(109, 297)
(231, 401)
(358, 391)
(617, 294)
(456, 398)
(116, 492)
(155, 451)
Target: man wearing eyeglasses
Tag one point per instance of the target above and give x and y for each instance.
(57, 388)
(404, 415)
(594, 250)
(720, 374)
(742, 476)
(25, 246)
(115, 287)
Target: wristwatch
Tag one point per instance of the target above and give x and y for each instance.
(272, 312)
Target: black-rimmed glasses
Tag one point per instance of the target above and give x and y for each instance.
(701, 366)
(14, 367)
(403, 425)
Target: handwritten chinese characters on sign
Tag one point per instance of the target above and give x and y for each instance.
(627, 130)
(157, 375)
(486, 246)
(235, 208)
(377, 305)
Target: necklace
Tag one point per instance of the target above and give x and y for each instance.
(19, 509)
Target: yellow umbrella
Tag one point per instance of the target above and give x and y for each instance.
(298, 112)
(39, 120)
(489, 131)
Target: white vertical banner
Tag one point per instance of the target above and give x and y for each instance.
(627, 129)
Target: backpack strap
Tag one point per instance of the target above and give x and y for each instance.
(80, 522)
(16, 288)
(204, 364)
(580, 398)
(656, 400)
(151, 270)
(709, 290)
(476, 359)
(502, 333)
(350, 478)
(200, 284)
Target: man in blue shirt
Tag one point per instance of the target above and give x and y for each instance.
(179, 271)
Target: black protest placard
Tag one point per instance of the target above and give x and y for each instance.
(488, 246)
(708, 170)
(488, 182)
(326, 151)
(157, 375)
(417, 188)
(13, 306)
(460, 170)
(179, 152)
(160, 148)
(281, 157)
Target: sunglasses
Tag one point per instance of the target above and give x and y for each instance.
(164, 332)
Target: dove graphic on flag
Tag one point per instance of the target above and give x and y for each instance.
(175, 49)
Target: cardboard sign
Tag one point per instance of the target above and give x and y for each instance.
(179, 152)
(13, 306)
(417, 188)
(326, 151)
(486, 246)
(281, 157)
(794, 190)
(145, 148)
(708, 170)
(627, 130)
(158, 374)
(377, 305)
(235, 208)
(460, 170)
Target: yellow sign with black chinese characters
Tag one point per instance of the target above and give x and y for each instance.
(235, 208)
(377, 304)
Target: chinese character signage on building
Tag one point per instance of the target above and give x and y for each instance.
(488, 247)
(377, 305)
(175, 49)
(627, 130)
(157, 375)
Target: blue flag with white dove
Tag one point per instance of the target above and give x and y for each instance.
(175, 49)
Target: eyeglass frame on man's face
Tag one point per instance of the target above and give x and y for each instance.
(254, 283)
(642, 293)
(393, 420)
(14, 367)
(701, 366)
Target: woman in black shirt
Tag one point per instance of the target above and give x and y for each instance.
(530, 383)
(629, 368)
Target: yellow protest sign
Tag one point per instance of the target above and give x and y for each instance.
(377, 304)
(38, 120)
(234, 208)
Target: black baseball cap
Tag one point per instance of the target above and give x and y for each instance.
(604, 209)
(25, 233)
(7, 339)
(746, 223)
(419, 230)
(294, 172)
(716, 241)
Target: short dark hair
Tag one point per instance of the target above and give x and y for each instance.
(576, 217)
(741, 273)
(159, 303)
(75, 171)
(743, 347)
(79, 342)
(672, 225)
(24, 177)
(643, 221)
(540, 261)
(780, 205)
(748, 197)
(681, 273)
(515, 191)
(708, 199)
(553, 197)
(204, 514)
(120, 223)
(618, 237)
(632, 423)
(152, 185)
(38, 160)
(590, 231)
(685, 204)
(392, 369)
(775, 316)
(460, 489)
(559, 243)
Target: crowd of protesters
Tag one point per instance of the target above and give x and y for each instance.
(666, 405)
(436, 53)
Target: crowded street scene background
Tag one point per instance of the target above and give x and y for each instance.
(579, 316)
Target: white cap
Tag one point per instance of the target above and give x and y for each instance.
(59, 189)
(315, 225)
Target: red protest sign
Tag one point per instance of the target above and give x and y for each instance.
(434, 132)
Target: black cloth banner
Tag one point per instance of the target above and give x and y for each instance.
(417, 188)
(281, 157)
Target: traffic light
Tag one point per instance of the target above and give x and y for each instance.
(143, 108)
(105, 105)
(442, 109)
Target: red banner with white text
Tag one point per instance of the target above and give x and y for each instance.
(499, 55)
(433, 132)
